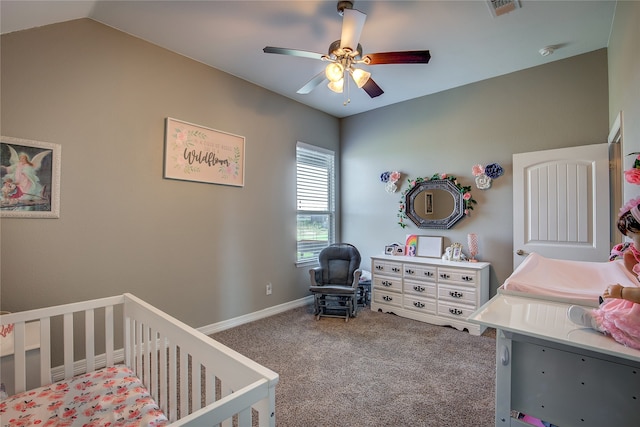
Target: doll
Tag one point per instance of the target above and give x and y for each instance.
(619, 313)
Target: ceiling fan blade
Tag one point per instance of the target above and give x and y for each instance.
(372, 88)
(352, 24)
(406, 57)
(313, 83)
(292, 52)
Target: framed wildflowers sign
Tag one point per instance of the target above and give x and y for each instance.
(196, 153)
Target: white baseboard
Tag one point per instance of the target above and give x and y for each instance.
(257, 315)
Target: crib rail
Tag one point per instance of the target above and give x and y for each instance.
(194, 379)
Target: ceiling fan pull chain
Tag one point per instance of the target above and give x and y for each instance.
(347, 95)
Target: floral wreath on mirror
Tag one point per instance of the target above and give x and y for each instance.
(469, 201)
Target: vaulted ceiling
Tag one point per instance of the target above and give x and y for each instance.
(467, 42)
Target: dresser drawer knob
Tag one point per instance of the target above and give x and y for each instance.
(387, 298)
(409, 271)
(467, 278)
(455, 311)
(379, 267)
(456, 294)
(444, 276)
(428, 273)
(387, 283)
(395, 269)
(419, 288)
(418, 304)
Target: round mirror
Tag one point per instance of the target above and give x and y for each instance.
(437, 203)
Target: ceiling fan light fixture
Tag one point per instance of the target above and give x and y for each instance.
(334, 72)
(336, 86)
(360, 76)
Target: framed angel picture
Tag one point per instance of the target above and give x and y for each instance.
(30, 178)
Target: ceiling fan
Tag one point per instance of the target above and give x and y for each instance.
(345, 54)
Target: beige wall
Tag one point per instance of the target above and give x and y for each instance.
(202, 252)
(560, 104)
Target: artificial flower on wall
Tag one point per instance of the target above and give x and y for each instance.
(390, 179)
(633, 175)
(469, 201)
(485, 174)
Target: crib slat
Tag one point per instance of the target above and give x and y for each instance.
(209, 387)
(225, 392)
(148, 357)
(244, 418)
(19, 357)
(196, 380)
(184, 383)
(88, 340)
(163, 390)
(153, 379)
(173, 387)
(139, 348)
(108, 333)
(127, 341)
(68, 345)
(45, 351)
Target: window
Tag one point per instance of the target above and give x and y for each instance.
(315, 201)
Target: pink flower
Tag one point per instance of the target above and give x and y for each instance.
(467, 196)
(632, 176)
(443, 176)
(477, 170)
(395, 176)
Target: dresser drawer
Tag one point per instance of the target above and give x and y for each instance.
(388, 283)
(466, 277)
(462, 294)
(387, 298)
(418, 272)
(424, 289)
(451, 309)
(416, 303)
(387, 268)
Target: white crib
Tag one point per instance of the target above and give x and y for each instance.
(195, 380)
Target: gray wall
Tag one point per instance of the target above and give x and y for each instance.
(560, 104)
(204, 253)
(624, 81)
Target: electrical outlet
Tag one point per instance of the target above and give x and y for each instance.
(269, 288)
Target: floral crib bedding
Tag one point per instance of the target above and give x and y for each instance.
(109, 397)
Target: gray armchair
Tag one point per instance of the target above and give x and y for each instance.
(334, 284)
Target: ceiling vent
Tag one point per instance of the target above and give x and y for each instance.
(500, 7)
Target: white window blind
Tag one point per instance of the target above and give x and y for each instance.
(315, 189)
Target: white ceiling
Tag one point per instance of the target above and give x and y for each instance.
(467, 43)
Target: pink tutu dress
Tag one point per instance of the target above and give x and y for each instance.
(618, 317)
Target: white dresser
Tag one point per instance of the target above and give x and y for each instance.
(430, 290)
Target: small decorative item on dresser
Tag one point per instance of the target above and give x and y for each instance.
(472, 241)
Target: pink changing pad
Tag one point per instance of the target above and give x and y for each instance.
(575, 282)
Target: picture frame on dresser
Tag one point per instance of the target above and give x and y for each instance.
(456, 252)
(30, 173)
(429, 246)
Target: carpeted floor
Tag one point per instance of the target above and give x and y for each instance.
(375, 370)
